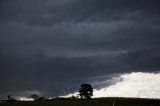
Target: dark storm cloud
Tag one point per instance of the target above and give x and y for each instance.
(53, 46)
(50, 12)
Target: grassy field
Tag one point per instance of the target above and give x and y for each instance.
(94, 102)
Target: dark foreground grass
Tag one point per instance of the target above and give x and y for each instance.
(94, 102)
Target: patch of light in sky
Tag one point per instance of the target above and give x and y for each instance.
(135, 84)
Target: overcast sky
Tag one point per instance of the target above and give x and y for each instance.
(50, 47)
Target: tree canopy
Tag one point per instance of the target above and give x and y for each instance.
(86, 91)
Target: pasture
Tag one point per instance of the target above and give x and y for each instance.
(93, 102)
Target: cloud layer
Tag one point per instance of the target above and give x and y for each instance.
(135, 84)
(141, 85)
(53, 46)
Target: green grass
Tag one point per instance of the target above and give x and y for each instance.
(94, 102)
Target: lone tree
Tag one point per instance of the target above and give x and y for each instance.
(86, 91)
(11, 99)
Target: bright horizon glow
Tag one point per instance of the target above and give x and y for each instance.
(25, 99)
(135, 84)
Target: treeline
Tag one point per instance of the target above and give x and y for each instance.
(85, 92)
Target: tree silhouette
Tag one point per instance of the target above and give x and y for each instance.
(10, 99)
(41, 98)
(86, 91)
